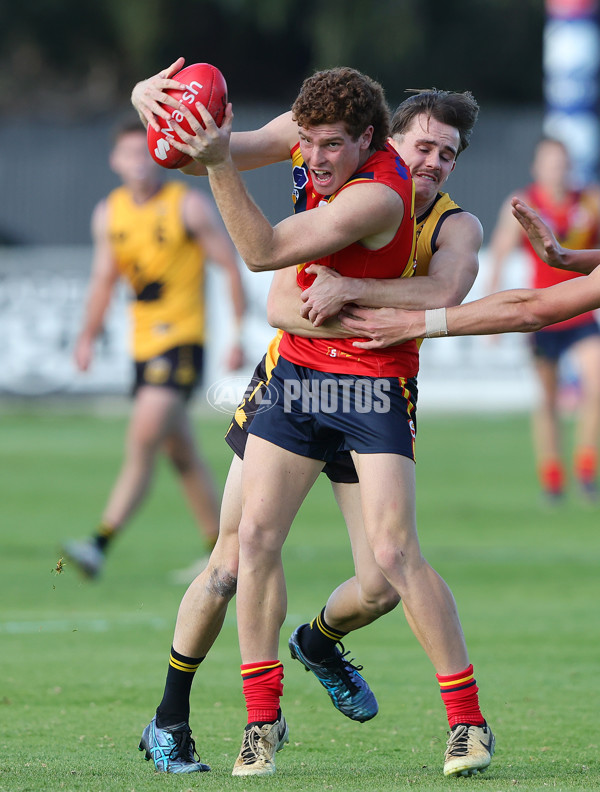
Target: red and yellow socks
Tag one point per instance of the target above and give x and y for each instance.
(263, 688)
(552, 477)
(459, 694)
(586, 465)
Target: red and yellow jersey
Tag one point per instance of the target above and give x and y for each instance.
(575, 222)
(396, 259)
(164, 267)
(428, 227)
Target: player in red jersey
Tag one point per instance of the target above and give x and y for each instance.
(368, 214)
(430, 129)
(574, 217)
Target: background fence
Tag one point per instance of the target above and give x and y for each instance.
(52, 176)
(45, 211)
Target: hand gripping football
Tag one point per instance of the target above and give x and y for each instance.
(205, 84)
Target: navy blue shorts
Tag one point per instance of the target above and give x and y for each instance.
(552, 344)
(318, 414)
(179, 368)
(340, 470)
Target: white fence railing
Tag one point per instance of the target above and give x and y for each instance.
(42, 296)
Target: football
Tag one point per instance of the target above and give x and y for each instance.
(205, 84)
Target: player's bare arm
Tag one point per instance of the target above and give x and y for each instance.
(525, 310)
(546, 245)
(381, 327)
(510, 311)
(365, 212)
(283, 309)
(452, 272)
(103, 278)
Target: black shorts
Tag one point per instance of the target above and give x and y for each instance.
(318, 413)
(179, 368)
(552, 344)
(257, 399)
(340, 470)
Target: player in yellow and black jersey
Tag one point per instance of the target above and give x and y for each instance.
(157, 237)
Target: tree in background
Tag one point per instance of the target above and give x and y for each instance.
(78, 59)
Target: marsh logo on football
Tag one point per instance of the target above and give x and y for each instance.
(229, 393)
(162, 148)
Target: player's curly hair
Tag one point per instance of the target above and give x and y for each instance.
(459, 110)
(344, 94)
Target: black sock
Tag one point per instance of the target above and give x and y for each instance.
(105, 533)
(175, 705)
(318, 639)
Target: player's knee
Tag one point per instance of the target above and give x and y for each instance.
(181, 463)
(391, 558)
(257, 538)
(180, 455)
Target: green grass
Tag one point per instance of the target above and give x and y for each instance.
(82, 665)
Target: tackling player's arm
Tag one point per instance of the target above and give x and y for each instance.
(203, 223)
(514, 310)
(102, 282)
(452, 272)
(283, 309)
(546, 245)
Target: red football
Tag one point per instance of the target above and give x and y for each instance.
(205, 84)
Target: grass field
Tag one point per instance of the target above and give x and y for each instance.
(83, 665)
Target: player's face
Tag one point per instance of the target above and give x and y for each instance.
(551, 166)
(331, 155)
(131, 160)
(429, 149)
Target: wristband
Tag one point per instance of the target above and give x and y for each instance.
(435, 323)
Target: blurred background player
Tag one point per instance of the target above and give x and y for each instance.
(574, 217)
(157, 236)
